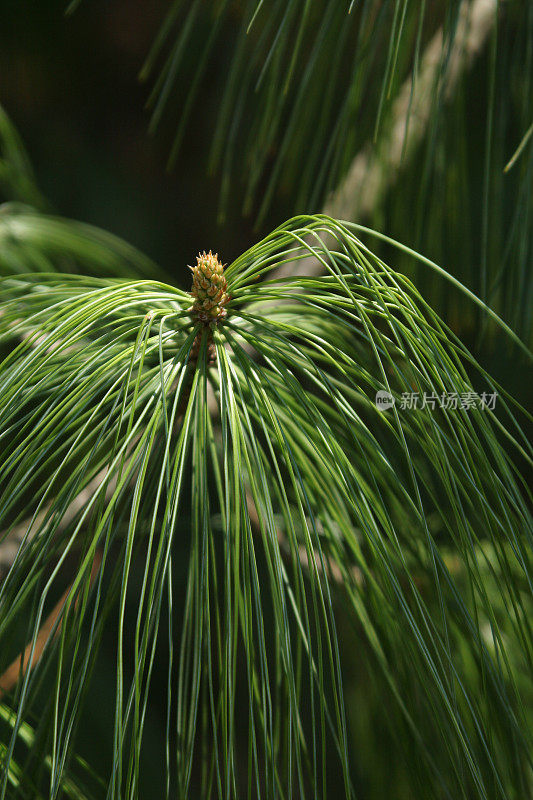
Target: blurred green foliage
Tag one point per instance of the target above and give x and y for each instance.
(70, 85)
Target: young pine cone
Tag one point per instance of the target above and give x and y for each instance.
(208, 289)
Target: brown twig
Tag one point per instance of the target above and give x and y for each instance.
(17, 669)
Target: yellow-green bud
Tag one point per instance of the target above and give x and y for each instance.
(208, 289)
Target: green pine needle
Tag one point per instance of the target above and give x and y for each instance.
(225, 518)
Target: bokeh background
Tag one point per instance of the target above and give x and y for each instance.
(71, 87)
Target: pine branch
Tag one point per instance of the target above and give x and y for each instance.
(356, 492)
(375, 169)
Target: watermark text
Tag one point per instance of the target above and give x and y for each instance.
(447, 401)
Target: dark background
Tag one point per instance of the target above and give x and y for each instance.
(70, 85)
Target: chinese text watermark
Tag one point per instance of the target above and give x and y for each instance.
(448, 401)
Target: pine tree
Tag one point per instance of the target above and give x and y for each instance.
(290, 501)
